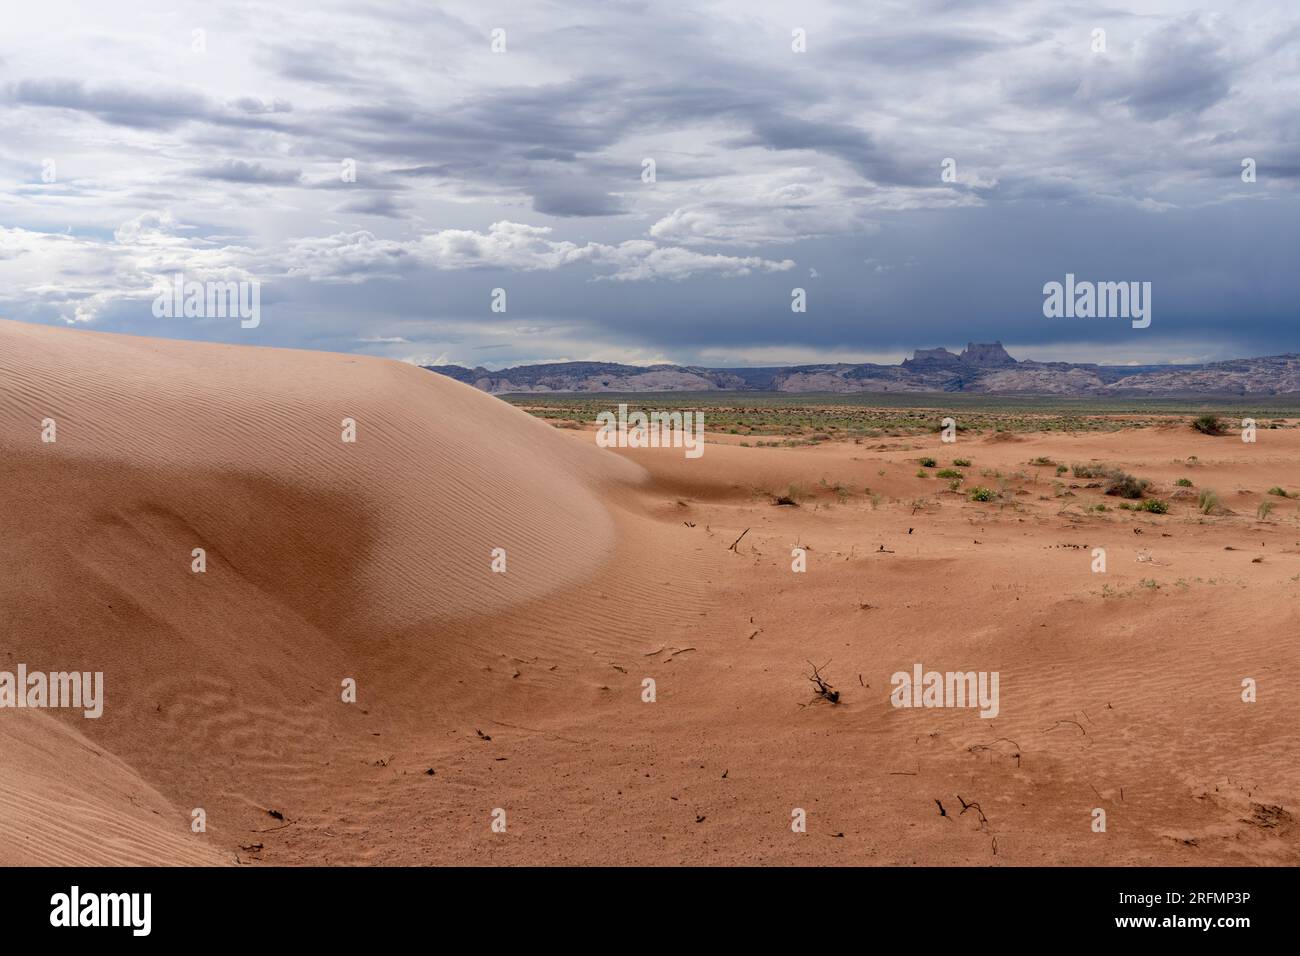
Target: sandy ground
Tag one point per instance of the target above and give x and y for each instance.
(523, 691)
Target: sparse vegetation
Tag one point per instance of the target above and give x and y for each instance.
(981, 493)
(1279, 492)
(1184, 482)
(1154, 505)
(816, 417)
(1263, 510)
(950, 473)
(1207, 501)
(961, 462)
(928, 463)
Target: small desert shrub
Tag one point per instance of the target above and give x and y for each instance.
(922, 473)
(1092, 470)
(1122, 485)
(1280, 492)
(1184, 482)
(1207, 501)
(1264, 508)
(1061, 469)
(928, 463)
(954, 485)
(1208, 425)
(950, 473)
(1042, 461)
(961, 462)
(982, 494)
(1154, 505)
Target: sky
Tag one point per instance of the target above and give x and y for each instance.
(919, 169)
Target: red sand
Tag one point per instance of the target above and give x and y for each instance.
(372, 561)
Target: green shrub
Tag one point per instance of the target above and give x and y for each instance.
(928, 463)
(1184, 482)
(1207, 501)
(1123, 485)
(1154, 505)
(1264, 508)
(1280, 492)
(1092, 470)
(961, 462)
(1208, 425)
(982, 494)
(950, 473)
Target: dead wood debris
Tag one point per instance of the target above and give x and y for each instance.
(825, 690)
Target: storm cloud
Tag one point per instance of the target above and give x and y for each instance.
(649, 182)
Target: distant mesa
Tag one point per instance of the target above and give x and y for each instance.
(983, 355)
(931, 357)
(986, 355)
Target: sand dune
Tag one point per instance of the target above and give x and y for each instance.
(325, 559)
(371, 560)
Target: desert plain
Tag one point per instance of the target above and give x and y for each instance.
(521, 696)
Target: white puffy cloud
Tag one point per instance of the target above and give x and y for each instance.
(360, 256)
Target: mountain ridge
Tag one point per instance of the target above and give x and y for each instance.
(979, 368)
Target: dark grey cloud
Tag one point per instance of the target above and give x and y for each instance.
(120, 105)
(1184, 70)
(933, 48)
(374, 204)
(251, 104)
(853, 145)
(566, 198)
(324, 63)
(112, 104)
(240, 171)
